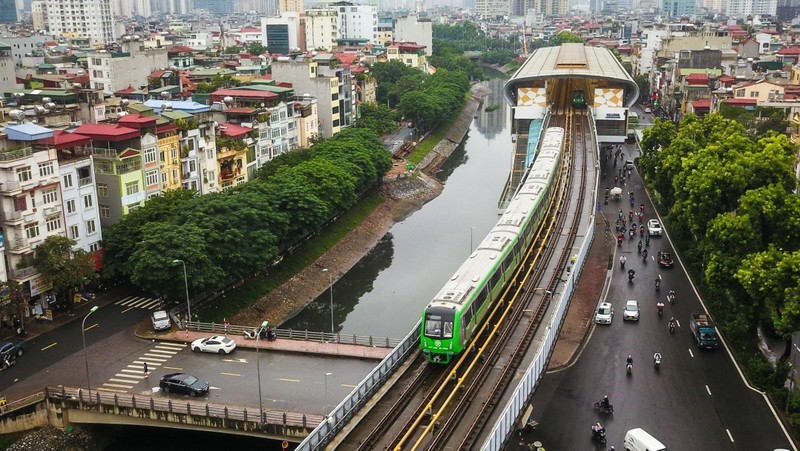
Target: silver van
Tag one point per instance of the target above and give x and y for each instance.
(639, 440)
(160, 320)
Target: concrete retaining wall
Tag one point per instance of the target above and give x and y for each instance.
(24, 419)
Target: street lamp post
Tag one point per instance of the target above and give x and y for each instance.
(471, 248)
(264, 325)
(186, 284)
(326, 392)
(330, 282)
(85, 356)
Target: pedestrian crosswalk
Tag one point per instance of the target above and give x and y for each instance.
(131, 375)
(140, 302)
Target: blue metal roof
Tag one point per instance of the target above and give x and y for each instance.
(27, 132)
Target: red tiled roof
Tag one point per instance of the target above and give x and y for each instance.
(741, 102)
(65, 140)
(250, 30)
(107, 132)
(704, 104)
(726, 79)
(180, 49)
(233, 130)
(240, 110)
(136, 121)
(789, 51)
(127, 90)
(284, 84)
(347, 58)
(130, 152)
(697, 79)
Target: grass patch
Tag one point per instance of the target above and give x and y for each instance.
(7, 440)
(425, 147)
(254, 289)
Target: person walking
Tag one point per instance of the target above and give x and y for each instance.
(146, 371)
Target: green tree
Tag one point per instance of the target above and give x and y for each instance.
(564, 37)
(256, 48)
(12, 300)
(377, 117)
(62, 265)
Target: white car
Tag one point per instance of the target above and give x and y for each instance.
(648, 110)
(631, 312)
(654, 227)
(605, 313)
(217, 344)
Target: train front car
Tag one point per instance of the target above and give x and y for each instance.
(438, 338)
(579, 98)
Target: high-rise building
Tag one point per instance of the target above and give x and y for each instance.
(8, 11)
(413, 28)
(280, 34)
(744, 8)
(291, 5)
(39, 15)
(357, 22)
(88, 18)
(678, 8)
(321, 29)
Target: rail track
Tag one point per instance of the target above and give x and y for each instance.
(428, 405)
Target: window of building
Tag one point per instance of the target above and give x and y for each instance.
(50, 196)
(90, 227)
(94, 247)
(71, 206)
(105, 211)
(24, 174)
(150, 155)
(102, 189)
(73, 232)
(131, 188)
(335, 123)
(32, 231)
(68, 181)
(151, 178)
(53, 224)
(20, 203)
(88, 202)
(175, 174)
(335, 110)
(97, 61)
(753, 94)
(173, 153)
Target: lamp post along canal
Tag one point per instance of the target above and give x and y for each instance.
(85, 355)
(264, 326)
(186, 285)
(330, 283)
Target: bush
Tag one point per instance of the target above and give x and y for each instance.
(761, 371)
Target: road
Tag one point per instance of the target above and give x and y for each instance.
(294, 382)
(394, 141)
(695, 401)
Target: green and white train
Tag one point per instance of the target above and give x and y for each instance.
(452, 318)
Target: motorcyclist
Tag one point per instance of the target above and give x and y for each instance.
(641, 230)
(658, 281)
(629, 360)
(605, 403)
(619, 239)
(631, 274)
(671, 296)
(597, 429)
(621, 214)
(660, 307)
(639, 246)
(672, 323)
(622, 261)
(641, 208)
(644, 254)
(647, 239)
(657, 357)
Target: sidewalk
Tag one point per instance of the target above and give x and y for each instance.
(34, 327)
(281, 344)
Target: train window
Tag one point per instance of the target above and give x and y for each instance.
(448, 330)
(495, 279)
(468, 313)
(507, 261)
(433, 326)
(518, 247)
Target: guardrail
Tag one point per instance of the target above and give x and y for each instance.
(350, 405)
(127, 404)
(17, 404)
(291, 334)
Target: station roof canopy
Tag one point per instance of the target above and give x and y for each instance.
(572, 61)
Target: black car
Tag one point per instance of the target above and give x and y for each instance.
(184, 384)
(665, 260)
(15, 348)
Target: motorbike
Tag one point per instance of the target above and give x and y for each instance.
(672, 327)
(599, 434)
(631, 274)
(671, 297)
(599, 406)
(619, 240)
(647, 239)
(641, 230)
(631, 233)
(260, 333)
(622, 261)
(639, 246)
(629, 368)
(644, 255)
(657, 360)
(658, 284)
(660, 307)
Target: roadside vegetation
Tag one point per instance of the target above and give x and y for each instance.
(726, 190)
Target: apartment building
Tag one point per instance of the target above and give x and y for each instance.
(114, 71)
(90, 18)
(357, 22)
(321, 29)
(413, 28)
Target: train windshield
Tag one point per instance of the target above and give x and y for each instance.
(439, 326)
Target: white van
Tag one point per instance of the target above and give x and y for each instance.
(160, 320)
(639, 440)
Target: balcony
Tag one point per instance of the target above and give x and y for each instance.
(85, 181)
(18, 245)
(10, 187)
(12, 216)
(16, 154)
(109, 154)
(23, 273)
(52, 210)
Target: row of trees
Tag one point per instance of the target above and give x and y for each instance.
(424, 99)
(729, 192)
(230, 235)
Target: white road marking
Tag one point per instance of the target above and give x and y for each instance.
(231, 374)
(708, 390)
(117, 385)
(729, 434)
(173, 368)
(48, 346)
(235, 360)
(126, 381)
(691, 354)
(162, 352)
(112, 390)
(149, 363)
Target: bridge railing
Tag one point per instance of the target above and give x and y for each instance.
(291, 334)
(20, 403)
(341, 414)
(79, 398)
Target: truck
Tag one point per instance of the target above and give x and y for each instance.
(704, 331)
